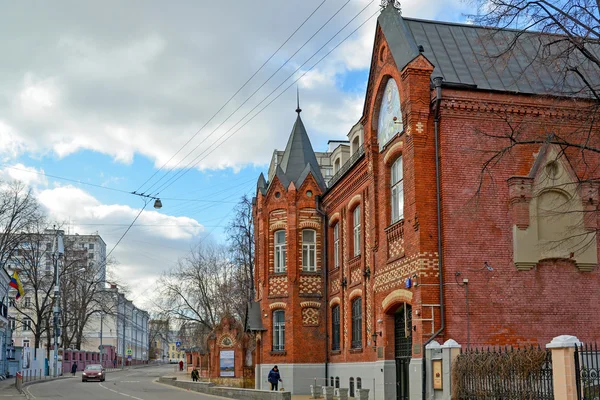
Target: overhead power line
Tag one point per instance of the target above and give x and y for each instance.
(232, 97)
(196, 161)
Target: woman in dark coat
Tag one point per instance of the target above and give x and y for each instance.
(274, 378)
(74, 368)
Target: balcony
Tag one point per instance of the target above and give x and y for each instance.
(347, 165)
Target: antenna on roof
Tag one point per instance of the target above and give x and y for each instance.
(298, 109)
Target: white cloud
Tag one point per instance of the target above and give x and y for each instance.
(28, 175)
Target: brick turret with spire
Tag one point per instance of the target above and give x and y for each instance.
(290, 307)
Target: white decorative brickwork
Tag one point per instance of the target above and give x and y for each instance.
(393, 274)
(310, 316)
(311, 284)
(278, 286)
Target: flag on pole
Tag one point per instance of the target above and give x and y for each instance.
(15, 282)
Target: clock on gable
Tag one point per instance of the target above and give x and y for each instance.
(390, 117)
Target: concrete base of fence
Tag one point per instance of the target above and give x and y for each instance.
(363, 394)
(328, 392)
(316, 391)
(232, 393)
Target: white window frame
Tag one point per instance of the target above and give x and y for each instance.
(309, 251)
(280, 252)
(336, 245)
(397, 190)
(278, 330)
(356, 230)
(26, 324)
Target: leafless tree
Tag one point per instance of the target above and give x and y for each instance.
(240, 235)
(158, 332)
(201, 287)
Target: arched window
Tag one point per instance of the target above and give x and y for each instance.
(309, 250)
(331, 380)
(280, 251)
(278, 330)
(357, 323)
(358, 383)
(337, 382)
(351, 387)
(335, 328)
(336, 245)
(355, 144)
(356, 229)
(337, 164)
(397, 186)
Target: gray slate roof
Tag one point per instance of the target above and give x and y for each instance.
(299, 158)
(253, 320)
(464, 54)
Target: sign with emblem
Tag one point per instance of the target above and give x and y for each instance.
(437, 374)
(129, 352)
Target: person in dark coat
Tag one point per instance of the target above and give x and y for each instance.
(274, 378)
(181, 365)
(74, 368)
(195, 375)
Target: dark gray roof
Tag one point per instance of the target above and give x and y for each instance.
(261, 185)
(298, 156)
(253, 320)
(471, 55)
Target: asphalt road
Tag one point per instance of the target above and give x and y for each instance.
(134, 384)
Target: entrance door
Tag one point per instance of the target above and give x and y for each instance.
(403, 349)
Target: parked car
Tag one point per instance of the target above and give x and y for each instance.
(93, 371)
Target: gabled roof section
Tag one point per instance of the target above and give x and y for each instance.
(472, 55)
(261, 185)
(298, 156)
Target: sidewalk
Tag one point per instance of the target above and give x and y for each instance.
(8, 389)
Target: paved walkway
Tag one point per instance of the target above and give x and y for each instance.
(8, 389)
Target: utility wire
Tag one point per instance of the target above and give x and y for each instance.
(248, 99)
(231, 98)
(127, 230)
(197, 160)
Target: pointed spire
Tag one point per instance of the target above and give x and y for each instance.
(298, 109)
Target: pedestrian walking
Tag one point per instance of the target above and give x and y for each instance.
(74, 368)
(195, 375)
(274, 378)
(181, 365)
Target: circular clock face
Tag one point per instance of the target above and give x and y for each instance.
(389, 109)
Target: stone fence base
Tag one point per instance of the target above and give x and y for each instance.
(232, 393)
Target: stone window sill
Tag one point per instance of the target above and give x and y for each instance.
(278, 352)
(356, 350)
(335, 352)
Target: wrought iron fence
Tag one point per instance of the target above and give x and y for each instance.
(503, 374)
(587, 369)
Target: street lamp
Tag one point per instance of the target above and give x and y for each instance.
(59, 250)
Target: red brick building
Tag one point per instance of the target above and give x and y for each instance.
(350, 282)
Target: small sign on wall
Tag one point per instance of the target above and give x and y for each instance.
(437, 374)
(226, 361)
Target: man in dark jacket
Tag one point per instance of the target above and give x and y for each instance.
(274, 378)
(74, 368)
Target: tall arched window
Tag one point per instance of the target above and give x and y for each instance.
(309, 250)
(335, 328)
(279, 330)
(336, 245)
(397, 185)
(357, 323)
(351, 387)
(356, 219)
(280, 251)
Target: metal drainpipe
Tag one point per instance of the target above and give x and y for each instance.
(437, 83)
(325, 272)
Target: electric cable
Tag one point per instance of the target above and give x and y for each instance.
(231, 98)
(195, 161)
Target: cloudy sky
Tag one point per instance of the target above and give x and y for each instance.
(106, 93)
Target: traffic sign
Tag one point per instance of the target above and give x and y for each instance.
(129, 358)
(129, 352)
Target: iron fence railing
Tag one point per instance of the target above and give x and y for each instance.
(347, 165)
(505, 373)
(587, 370)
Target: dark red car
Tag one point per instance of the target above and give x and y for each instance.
(93, 372)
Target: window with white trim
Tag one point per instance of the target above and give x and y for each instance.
(336, 245)
(280, 251)
(309, 250)
(335, 327)
(356, 218)
(397, 191)
(278, 330)
(26, 324)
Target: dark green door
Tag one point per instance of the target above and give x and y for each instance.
(403, 349)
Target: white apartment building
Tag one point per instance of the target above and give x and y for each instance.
(126, 328)
(81, 251)
(5, 328)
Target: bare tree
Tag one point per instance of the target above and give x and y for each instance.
(158, 332)
(201, 287)
(240, 235)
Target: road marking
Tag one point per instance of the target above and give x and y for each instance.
(29, 393)
(122, 394)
